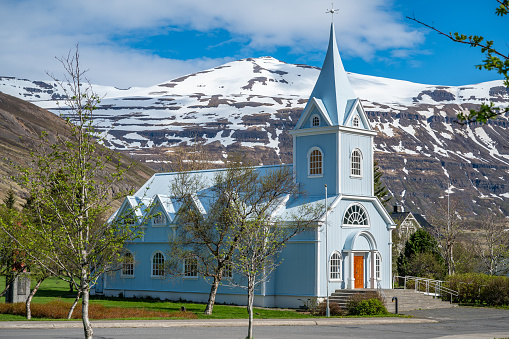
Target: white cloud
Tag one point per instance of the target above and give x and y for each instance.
(33, 32)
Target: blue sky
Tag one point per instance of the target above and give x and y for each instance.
(140, 43)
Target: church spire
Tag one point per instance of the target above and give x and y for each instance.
(333, 87)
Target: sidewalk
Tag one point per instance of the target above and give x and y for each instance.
(211, 323)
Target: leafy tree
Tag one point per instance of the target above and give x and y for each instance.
(421, 249)
(494, 60)
(69, 201)
(381, 192)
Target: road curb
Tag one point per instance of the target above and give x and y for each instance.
(210, 323)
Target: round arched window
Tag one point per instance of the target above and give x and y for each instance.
(356, 215)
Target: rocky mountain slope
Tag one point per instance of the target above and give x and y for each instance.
(251, 104)
(20, 125)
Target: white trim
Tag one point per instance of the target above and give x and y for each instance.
(312, 103)
(338, 163)
(315, 148)
(152, 264)
(340, 267)
(332, 129)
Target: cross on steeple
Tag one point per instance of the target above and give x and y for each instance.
(332, 11)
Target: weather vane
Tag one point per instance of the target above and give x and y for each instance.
(332, 11)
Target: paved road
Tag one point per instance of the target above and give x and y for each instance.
(442, 323)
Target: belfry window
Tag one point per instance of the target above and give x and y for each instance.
(355, 122)
(315, 121)
(356, 160)
(356, 215)
(316, 162)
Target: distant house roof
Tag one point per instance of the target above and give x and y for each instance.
(399, 217)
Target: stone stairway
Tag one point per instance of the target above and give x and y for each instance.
(407, 299)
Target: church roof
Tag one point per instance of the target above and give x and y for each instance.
(333, 87)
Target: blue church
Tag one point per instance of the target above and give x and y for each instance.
(332, 146)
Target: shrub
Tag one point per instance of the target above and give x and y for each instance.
(355, 300)
(334, 309)
(369, 307)
(481, 289)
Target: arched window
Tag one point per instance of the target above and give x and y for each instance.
(335, 266)
(378, 266)
(355, 161)
(315, 121)
(159, 219)
(128, 265)
(356, 215)
(316, 162)
(190, 267)
(157, 264)
(355, 122)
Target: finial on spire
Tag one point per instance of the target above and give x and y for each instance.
(332, 11)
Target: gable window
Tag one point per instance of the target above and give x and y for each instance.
(356, 215)
(190, 268)
(355, 163)
(157, 264)
(356, 122)
(378, 266)
(335, 266)
(128, 265)
(159, 219)
(315, 121)
(315, 162)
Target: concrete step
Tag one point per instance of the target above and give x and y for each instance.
(407, 299)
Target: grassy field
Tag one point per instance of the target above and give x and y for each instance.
(55, 289)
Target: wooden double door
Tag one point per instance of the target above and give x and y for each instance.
(358, 270)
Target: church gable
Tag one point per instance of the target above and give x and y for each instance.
(314, 115)
(356, 116)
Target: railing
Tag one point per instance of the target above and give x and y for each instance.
(427, 286)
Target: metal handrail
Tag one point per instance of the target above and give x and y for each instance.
(433, 284)
(380, 290)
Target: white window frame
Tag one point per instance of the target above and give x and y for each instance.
(315, 117)
(352, 174)
(378, 266)
(337, 263)
(159, 220)
(152, 268)
(187, 269)
(360, 208)
(308, 159)
(228, 271)
(123, 273)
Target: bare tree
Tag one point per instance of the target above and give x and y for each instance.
(491, 244)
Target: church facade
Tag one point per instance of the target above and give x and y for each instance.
(351, 247)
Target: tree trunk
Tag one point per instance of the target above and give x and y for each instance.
(30, 296)
(250, 299)
(71, 310)
(8, 283)
(87, 326)
(212, 296)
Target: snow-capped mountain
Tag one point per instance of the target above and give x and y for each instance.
(253, 103)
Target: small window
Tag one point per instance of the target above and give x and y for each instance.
(378, 265)
(190, 267)
(159, 219)
(356, 215)
(315, 121)
(315, 162)
(355, 122)
(335, 266)
(356, 160)
(228, 271)
(158, 265)
(128, 265)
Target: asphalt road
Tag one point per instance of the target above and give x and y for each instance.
(452, 323)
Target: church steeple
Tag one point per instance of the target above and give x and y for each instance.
(333, 87)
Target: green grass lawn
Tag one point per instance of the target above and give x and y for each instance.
(54, 288)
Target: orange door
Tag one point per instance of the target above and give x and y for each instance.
(358, 265)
